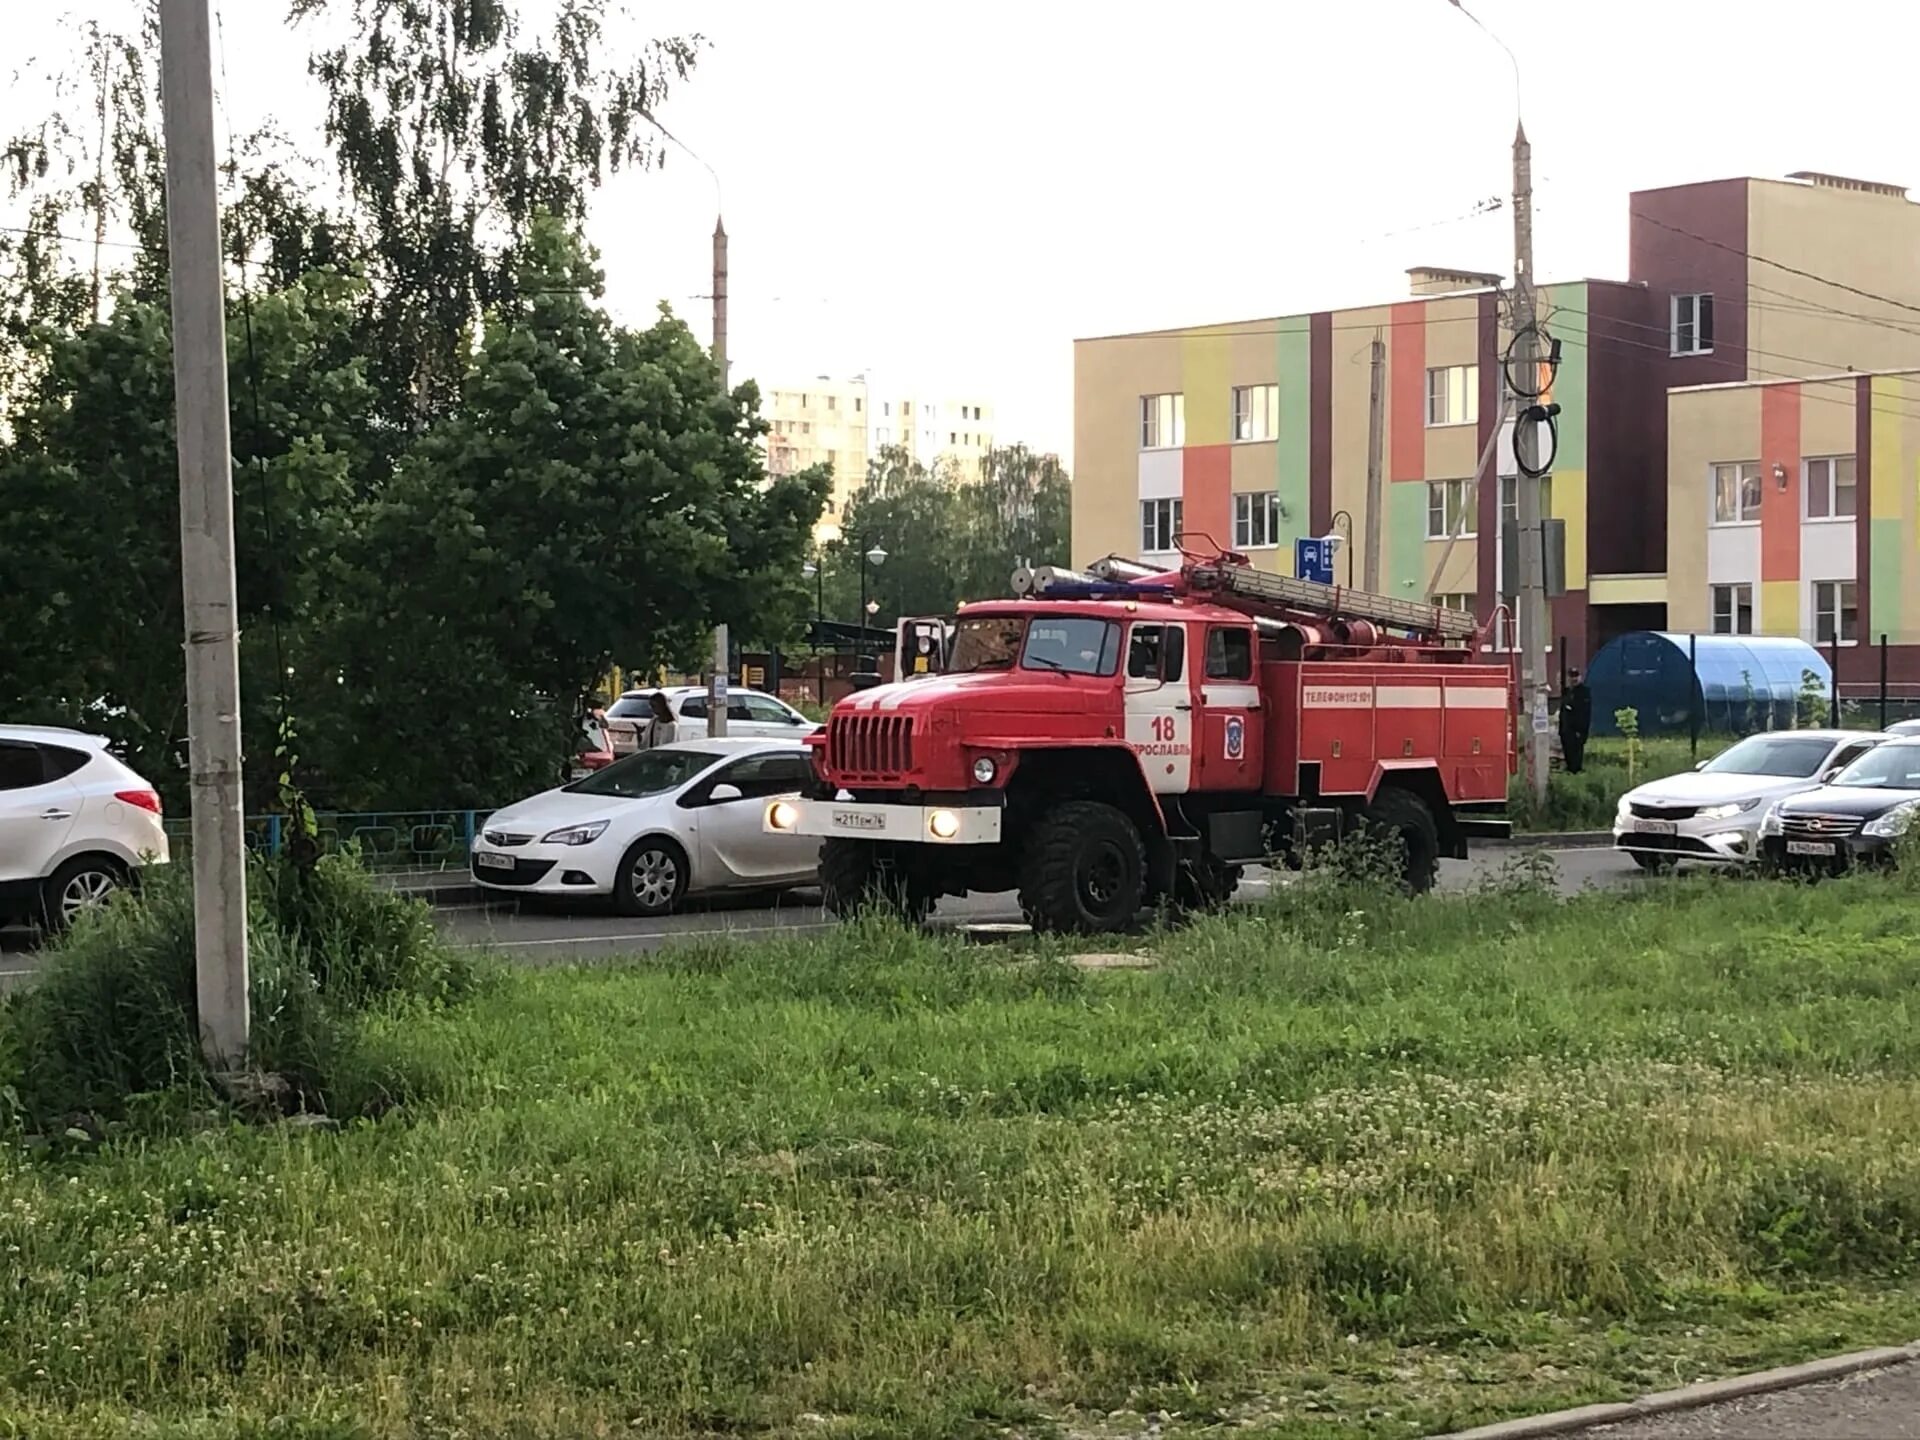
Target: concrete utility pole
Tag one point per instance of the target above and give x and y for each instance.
(206, 533)
(717, 680)
(1532, 549)
(1376, 445)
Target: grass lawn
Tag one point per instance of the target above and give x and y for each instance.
(1334, 1168)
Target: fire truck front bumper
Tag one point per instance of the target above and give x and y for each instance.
(867, 820)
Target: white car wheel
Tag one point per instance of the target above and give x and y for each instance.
(77, 887)
(653, 876)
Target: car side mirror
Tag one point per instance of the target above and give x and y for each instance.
(1828, 775)
(1700, 765)
(725, 792)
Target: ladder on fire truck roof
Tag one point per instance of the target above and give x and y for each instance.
(1240, 581)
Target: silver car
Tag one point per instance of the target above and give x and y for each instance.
(654, 715)
(1712, 813)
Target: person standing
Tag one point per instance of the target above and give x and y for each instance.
(1576, 721)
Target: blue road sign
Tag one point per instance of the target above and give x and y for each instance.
(1313, 560)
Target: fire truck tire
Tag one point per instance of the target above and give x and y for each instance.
(856, 875)
(1395, 811)
(1084, 871)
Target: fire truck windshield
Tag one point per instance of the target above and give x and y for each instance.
(1068, 644)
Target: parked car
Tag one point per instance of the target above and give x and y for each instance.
(75, 824)
(655, 827)
(1904, 727)
(1856, 820)
(592, 750)
(1713, 812)
(664, 715)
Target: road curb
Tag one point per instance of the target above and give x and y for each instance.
(1555, 840)
(1692, 1397)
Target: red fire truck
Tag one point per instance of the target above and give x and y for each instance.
(1126, 736)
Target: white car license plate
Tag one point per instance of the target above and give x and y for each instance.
(1809, 847)
(858, 820)
(1655, 827)
(487, 860)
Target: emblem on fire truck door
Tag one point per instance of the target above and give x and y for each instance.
(1236, 737)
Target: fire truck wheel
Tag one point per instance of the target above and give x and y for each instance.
(1084, 871)
(1400, 812)
(857, 875)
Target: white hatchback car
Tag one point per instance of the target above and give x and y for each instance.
(630, 722)
(75, 824)
(655, 827)
(1713, 812)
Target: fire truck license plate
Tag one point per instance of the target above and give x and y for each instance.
(858, 820)
(1809, 847)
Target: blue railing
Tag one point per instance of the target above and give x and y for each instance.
(387, 840)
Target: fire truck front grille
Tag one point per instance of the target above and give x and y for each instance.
(870, 747)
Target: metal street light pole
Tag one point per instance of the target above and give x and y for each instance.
(1346, 539)
(875, 557)
(1526, 362)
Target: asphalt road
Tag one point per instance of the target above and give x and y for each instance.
(541, 936)
(1876, 1405)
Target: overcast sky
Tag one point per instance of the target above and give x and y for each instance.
(952, 193)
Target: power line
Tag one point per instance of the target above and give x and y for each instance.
(1776, 264)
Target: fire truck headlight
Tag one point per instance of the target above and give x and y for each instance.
(943, 824)
(782, 815)
(984, 770)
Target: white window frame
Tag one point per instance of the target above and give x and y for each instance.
(1249, 507)
(1835, 611)
(1460, 600)
(1458, 395)
(1823, 471)
(1741, 478)
(1458, 498)
(1738, 609)
(1256, 413)
(1163, 421)
(1683, 319)
(1160, 516)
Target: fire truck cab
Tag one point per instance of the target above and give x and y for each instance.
(1122, 737)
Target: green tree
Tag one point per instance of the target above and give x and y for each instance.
(597, 497)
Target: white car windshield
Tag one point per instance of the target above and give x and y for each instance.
(1789, 756)
(651, 772)
(1891, 767)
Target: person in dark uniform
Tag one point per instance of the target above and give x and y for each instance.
(1576, 721)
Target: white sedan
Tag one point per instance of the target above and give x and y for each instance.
(655, 827)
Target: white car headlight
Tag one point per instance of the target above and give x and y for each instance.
(1732, 807)
(576, 834)
(1770, 822)
(1892, 824)
(984, 770)
(1624, 809)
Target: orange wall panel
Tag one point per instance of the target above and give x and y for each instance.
(1407, 393)
(1780, 508)
(1207, 492)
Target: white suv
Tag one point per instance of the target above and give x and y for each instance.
(75, 824)
(630, 725)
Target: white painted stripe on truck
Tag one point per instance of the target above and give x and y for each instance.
(1408, 697)
(1477, 697)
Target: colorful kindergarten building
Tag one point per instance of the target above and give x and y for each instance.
(1739, 427)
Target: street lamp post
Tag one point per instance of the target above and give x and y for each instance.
(1346, 539)
(817, 572)
(876, 557)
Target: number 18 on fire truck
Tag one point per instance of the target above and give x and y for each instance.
(1125, 736)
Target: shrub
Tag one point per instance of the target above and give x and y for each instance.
(114, 1013)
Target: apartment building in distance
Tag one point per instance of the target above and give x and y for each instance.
(845, 423)
(1739, 428)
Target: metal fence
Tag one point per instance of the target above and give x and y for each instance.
(386, 840)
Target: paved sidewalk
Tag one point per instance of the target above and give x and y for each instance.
(1873, 1405)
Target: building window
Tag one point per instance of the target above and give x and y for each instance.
(1836, 610)
(1256, 520)
(1159, 526)
(1163, 422)
(1256, 412)
(833, 402)
(1510, 500)
(1732, 609)
(1455, 600)
(886, 407)
(1736, 493)
(1830, 488)
(1693, 324)
(952, 438)
(1450, 507)
(1453, 395)
(858, 405)
(833, 458)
